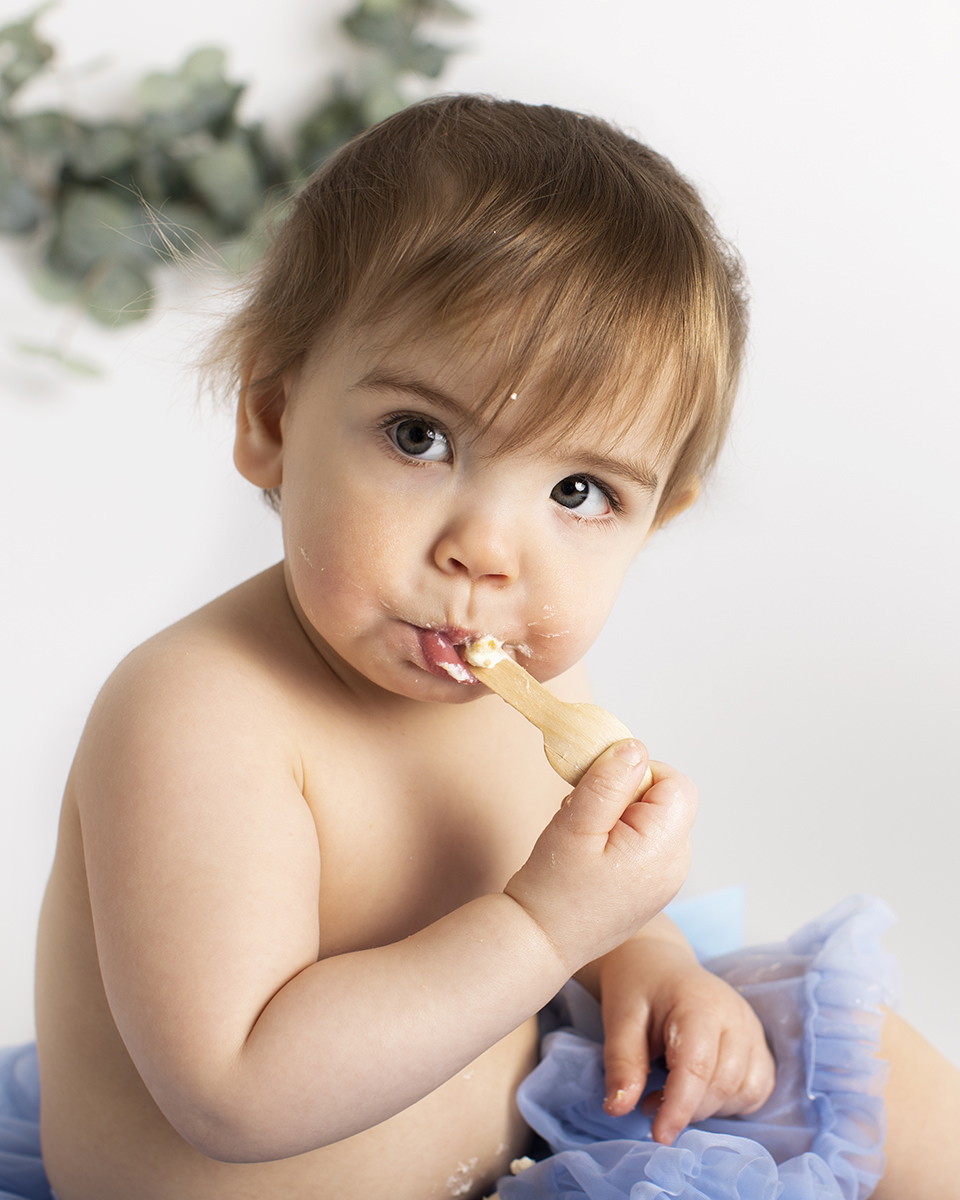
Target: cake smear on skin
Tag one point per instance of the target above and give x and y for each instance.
(458, 672)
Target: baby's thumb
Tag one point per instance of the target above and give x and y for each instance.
(613, 781)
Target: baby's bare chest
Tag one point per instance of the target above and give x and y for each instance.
(407, 835)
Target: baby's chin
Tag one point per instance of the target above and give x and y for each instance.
(429, 688)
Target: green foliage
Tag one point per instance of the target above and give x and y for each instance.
(103, 203)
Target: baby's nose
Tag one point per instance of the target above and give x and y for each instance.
(481, 546)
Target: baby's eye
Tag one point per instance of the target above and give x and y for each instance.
(584, 494)
(418, 438)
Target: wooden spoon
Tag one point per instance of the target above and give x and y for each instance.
(573, 734)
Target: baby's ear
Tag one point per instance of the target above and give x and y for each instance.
(258, 446)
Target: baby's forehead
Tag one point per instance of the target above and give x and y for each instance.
(527, 392)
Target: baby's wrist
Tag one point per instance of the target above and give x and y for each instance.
(651, 958)
(566, 964)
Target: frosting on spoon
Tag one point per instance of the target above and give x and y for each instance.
(484, 652)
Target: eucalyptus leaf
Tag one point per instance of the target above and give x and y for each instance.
(178, 232)
(273, 166)
(157, 173)
(226, 176)
(161, 94)
(326, 130)
(20, 206)
(22, 54)
(445, 10)
(423, 58)
(382, 29)
(44, 137)
(198, 97)
(54, 286)
(382, 99)
(383, 6)
(96, 225)
(118, 293)
(205, 66)
(99, 151)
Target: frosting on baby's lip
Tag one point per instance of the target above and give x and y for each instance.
(458, 672)
(438, 648)
(452, 652)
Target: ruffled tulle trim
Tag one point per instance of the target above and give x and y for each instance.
(820, 1135)
(22, 1176)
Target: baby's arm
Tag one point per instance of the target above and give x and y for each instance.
(658, 1000)
(204, 873)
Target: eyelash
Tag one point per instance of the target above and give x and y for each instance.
(616, 505)
(391, 420)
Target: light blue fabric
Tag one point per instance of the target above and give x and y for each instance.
(713, 923)
(22, 1176)
(820, 1135)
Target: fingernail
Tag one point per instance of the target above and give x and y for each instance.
(631, 753)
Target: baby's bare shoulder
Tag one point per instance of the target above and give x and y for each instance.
(225, 674)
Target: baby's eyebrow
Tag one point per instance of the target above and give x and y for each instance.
(395, 381)
(634, 470)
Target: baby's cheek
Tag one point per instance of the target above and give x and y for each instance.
(550, 653)
(579, 607)
(330, 599)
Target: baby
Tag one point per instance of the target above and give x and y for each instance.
(311, 888)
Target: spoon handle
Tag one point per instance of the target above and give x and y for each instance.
(573, 734)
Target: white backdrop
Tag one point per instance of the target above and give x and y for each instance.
(791, 642)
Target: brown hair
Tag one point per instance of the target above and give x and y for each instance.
(595, 261)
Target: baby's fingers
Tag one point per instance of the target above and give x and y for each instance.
(712, 1081)
(626, 1057)
(610, 785)
(691, 1076)
(753, 1088)
(668, 805)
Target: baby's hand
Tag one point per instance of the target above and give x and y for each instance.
(659, 1001)
(608, 861)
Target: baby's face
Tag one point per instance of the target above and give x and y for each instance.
(409, 528)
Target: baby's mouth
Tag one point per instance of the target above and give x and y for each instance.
(439, 650)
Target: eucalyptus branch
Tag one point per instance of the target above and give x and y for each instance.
(102, 204)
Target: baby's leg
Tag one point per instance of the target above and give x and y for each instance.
(923, 1106)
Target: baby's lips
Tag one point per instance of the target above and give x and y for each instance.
(440, 655)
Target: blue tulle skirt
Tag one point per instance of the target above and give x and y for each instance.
(22, 1176)
(819, 1137)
